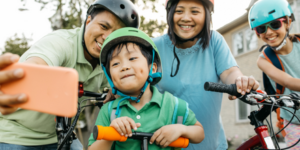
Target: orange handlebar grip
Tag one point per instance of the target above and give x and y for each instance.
(107, 133)
(180, 142)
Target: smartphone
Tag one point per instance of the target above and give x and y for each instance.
(52, 90)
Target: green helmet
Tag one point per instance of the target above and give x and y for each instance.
(129, 34)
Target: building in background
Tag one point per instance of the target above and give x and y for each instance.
(244, 45)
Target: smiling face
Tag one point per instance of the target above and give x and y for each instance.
(189, 18)
(97, 29)
(129, 69)
(275, 37)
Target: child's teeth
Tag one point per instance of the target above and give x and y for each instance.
(272, 38)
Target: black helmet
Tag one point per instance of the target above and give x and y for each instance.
(123, 9)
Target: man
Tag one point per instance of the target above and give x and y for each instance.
(75, 48)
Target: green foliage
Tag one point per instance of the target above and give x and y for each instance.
(64, 19)
(17, 45)
(152, 26)
(71, 17)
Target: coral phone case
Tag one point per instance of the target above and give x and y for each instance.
(52, 90)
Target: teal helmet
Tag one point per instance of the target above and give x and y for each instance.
(264, 11)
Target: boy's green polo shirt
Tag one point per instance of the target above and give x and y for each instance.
(154, 115)
(59, 48)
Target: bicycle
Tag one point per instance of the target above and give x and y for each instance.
(262, 140)
(64, 128)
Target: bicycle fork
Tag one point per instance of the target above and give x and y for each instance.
(261, 139)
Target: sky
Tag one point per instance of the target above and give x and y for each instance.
(34, 23)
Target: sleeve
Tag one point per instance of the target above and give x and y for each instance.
(52, 49)
(191, 118)
(103, 119)
(222, 54)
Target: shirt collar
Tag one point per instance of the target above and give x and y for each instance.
(156, 98)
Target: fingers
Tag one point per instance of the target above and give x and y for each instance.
(124, 125)
(231, 97)
(10, 75)
(5, 110)
(154, 136)
(251, 83)
(238, 82)
(8, 59)
(110, 96)
(107, 98)
(12, 99)
(245, 84)
(7, 100)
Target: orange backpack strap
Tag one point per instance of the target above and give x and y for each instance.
(298, 38)
(273, 58)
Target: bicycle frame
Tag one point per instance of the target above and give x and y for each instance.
(64, 128)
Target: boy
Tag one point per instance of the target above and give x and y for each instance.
(128, 58)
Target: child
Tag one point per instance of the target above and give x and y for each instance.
(128, 58)
(272, 24)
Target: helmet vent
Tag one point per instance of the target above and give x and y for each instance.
(122, 6)
(252, 19)
(132, 16)
(271, 12)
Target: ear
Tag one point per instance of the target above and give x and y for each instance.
(154, 67)
(88, 20)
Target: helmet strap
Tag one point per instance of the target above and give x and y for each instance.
(136, 99)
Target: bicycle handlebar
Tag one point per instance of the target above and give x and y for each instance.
(223, 88)
(111, 134)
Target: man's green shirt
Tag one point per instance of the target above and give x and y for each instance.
(154, 115)
(59, 48)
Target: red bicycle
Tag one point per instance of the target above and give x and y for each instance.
(269, 103)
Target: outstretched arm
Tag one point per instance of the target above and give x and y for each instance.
(278, 75)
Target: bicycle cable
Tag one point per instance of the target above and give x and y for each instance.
(290, 120)
(271, 129)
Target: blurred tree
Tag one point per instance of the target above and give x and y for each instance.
(71, 18)
(151, 26)
(17, 45)
(64, 19)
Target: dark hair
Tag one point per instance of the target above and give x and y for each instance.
(205, 34)
(146, 51)
(95, 12)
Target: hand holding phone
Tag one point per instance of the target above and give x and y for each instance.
(9, 76)
(52, 90)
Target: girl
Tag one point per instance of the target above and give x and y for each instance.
(272, 24)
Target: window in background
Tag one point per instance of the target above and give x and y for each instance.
(243, 41)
